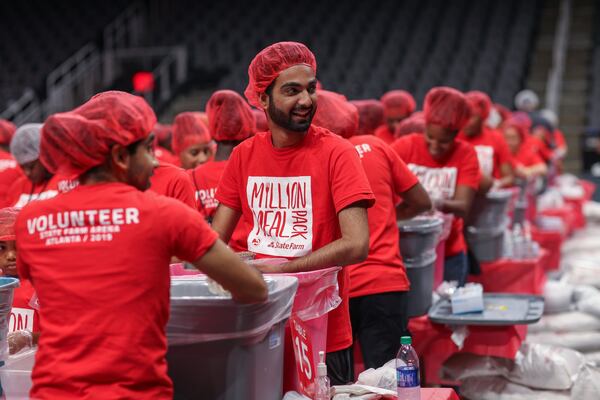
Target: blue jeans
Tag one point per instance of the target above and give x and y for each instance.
(456, 268)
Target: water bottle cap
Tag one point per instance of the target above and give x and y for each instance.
(405, 340)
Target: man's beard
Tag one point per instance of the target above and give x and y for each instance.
(286, 122)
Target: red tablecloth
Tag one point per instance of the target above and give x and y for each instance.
(566, 213)
(512, 276)
(551, 242)
(577, 210)
(438, 394)
(434, 346)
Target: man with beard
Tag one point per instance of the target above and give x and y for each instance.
(300, 190)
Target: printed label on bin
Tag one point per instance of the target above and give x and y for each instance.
(20, 319)
(282, 214)
(274, 338)
(407, 376)
(305, 366)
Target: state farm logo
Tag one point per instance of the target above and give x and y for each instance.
(282, 215)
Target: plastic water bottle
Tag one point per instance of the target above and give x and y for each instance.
(322, 391)
(518, 242)
(407, 371)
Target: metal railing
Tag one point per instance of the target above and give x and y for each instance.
(26, 109)
(559, 56)
(75, 80)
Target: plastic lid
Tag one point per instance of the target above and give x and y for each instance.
(322, 367)
(405, 340)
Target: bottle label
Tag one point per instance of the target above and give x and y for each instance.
(407, 376)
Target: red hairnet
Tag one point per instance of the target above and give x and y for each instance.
(370, 115)
(270, 62)
(229, 116)
(75, 141)
(189, 129)
(523, 119)
(400, 101)
(336, 114)
(413, 124)
(519, 125)
(8, 216)
(480, 103)
(7, 130)
(447, 108)
(260, 118)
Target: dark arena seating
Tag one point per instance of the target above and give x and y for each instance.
(365, 49)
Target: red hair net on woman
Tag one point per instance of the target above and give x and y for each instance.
(336, 114)
(7, 130)
(75, 141)
(270, 62)
(8, 216)
(230, 118)
(370, 115)
(521, 124)
(480, 103)
(447, 108)
(189, 129)
(399, 101)
(260, 118)
(413, 124)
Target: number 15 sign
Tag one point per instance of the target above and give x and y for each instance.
(305, 366)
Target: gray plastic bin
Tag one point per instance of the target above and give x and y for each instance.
(420, 274)
(490, 210)
(486, 244)
(222, 350)
(418, 236)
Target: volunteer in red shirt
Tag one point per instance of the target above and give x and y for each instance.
(191, 142)
(171, 181)
(162, 137)
(447, 167)
(370, 115)
(299, 189)
(528, 163)
(558, 136)
(533, 142)
(398, 105)
(98, 257)
(493, 154)
(231, 121)
(37, 183)
(413, 124)
(23, 323)
(9, 169)
(378, 285)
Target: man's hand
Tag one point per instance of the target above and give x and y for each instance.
(225, 221)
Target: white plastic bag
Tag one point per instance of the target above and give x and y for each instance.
(383, 377)
(546, 367)
(584, 342)
(557, 297)
(587, 385)
(498, 388)
(590, 305)
(573, 321)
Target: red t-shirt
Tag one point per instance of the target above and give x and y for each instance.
(384, 133)
(492, 151)
(10, 172)
(174, 182)
(22, 192)
(527, 157)
(440, 178)
(559, 139)
(205, 178)
(23, 315)
(98, 258)
(165, 156)
(289, 199)
(383, 271)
